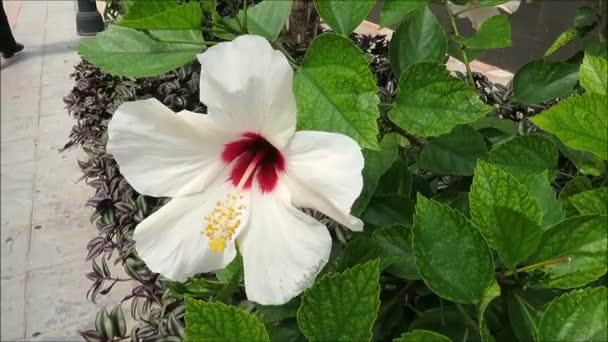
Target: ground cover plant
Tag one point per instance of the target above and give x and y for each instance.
(455, 209)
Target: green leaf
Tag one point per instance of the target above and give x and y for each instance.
(377, 162)
(419, 38)
(562, 40)
(574, 186)
(267, 18)
(397, 241)
(445, 243)
(446, 321)
(126, 52)
(586, 162)
(494, 33)
(580, 122)
(220, 322)
(422, 336)
(454, 153)
(231, 276)
(393, 11)
(525, 154)
(137, 9)
(431, 102)
(342, 307)
(362, 249)
(495, 195)
(390, 209)
(524, 315)
(591, 202)
(579, 315)
(336, 92)
(396, 181)
(491, 292)
(583, 240)
(539, 186)
(539, 81)
(492, 3)
(269, 314)
(188, 16)
(594, 74)
(343, 16)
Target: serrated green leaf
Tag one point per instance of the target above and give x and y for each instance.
(342, 307)
(390, 209)
(541, 80)
(397, 241)
(583, 240)
(397, 180)
(586, 162)
(419, 38)
(267, 18)
(188, 16)
(362, 249)
(591, 202)
(343, 16)
(336, 92)
(422, 336)
(594, 74)
(127, 52)
(562, 40)
(495, 195)
(539, 186)
(137, 9)
(454, 153)
(220, 322)
(494, 33)
(579, 315)
(580, 122)
(524, 155)
(444, 244)
(431, 102)
(393, 11)
(377, 162)
(574, 186)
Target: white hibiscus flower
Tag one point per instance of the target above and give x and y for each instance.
(237, 174)
(477, 15)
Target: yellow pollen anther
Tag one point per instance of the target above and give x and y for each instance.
(223, 221)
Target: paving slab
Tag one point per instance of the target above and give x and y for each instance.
(45, 225)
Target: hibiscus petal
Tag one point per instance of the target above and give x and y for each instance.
(324, 173)
(247, 85)
(479, 15)
(162, 153)
(510, 6)
(170, 240)
(283, 249)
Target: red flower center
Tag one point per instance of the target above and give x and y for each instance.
(254, 155)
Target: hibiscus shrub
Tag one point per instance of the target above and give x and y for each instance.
(305, 183)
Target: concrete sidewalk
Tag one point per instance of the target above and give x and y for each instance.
(45, 226)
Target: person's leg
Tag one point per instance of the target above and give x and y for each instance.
(7, 41)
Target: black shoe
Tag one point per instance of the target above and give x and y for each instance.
(18, 48)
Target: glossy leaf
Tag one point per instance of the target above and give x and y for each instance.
(419, 38)
(494, 33)
(163, 15)
(126, 52)
(526, 154)
(445, 243)
(219, 322)
(431, 102)
(579, 315)
(422, 336)
(393, 11)
(389, 209)
(562, 40)
(574, 186)
(541, 80)
(397, 241)
(580, 122)
(343, 16)
(583, 240)
(362, 249)
(591, 202)
(594, 74)
(586, 162)
(267, 18)
(454, 153)
(342, 307)
(539, 186)
(336, 92)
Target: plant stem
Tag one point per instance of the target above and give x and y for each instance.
(169, 41)
(467, 318)
(600, 17)
(245, 16)
(561, 260)
(395, 300)
(281, 48)
(462, 48)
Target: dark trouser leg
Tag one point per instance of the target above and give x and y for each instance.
(7, 42)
